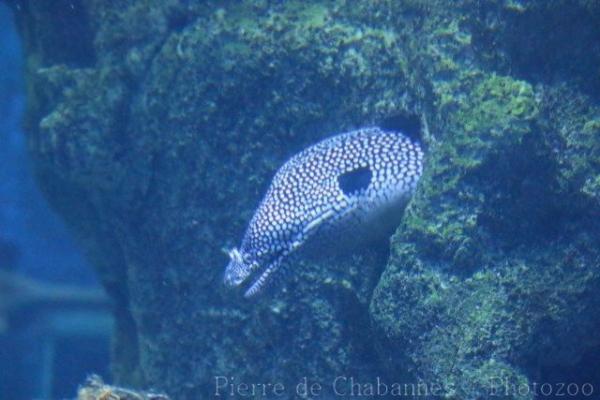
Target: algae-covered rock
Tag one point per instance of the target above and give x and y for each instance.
(156, 127)
(496, 246)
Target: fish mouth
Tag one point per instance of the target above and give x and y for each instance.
(259, 283)
(240, 273)
(273, 264)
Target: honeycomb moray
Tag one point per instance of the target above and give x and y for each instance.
(343, 186)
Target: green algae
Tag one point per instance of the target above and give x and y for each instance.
(478, 305)
(494, 116)
(495, 104)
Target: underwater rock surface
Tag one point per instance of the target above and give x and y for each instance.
(157, 126)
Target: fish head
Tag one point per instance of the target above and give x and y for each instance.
(241, 265)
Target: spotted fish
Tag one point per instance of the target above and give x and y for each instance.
(343, 182)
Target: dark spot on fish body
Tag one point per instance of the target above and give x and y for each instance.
(355, 181)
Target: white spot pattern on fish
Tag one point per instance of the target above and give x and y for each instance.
(346, 179)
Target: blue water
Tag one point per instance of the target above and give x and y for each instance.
(34, 243)
(45, 248)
